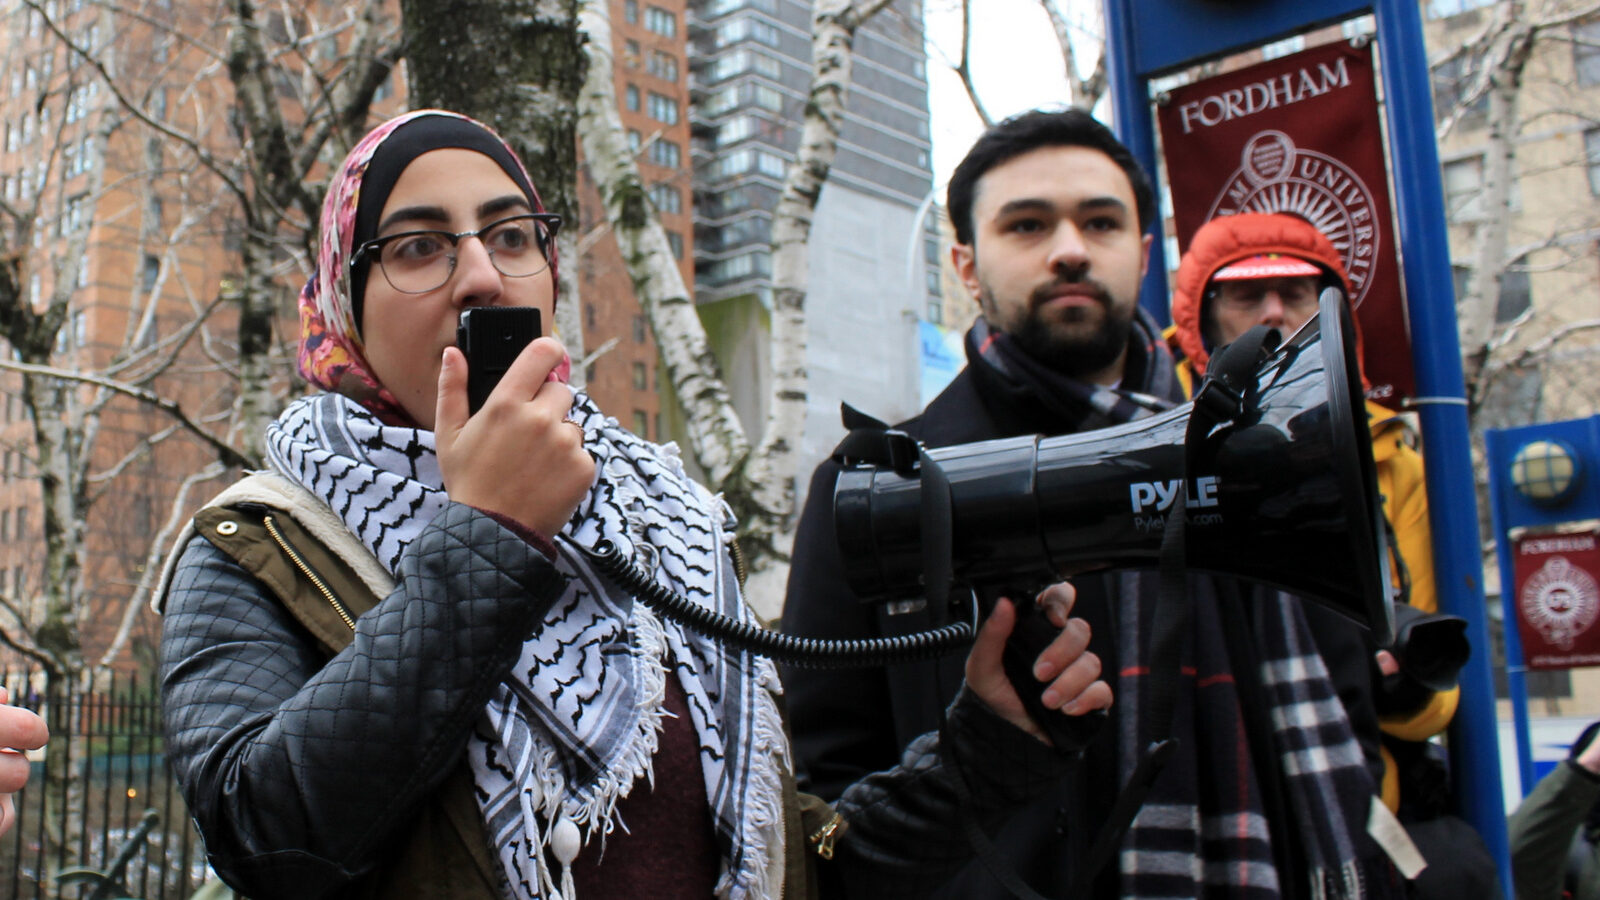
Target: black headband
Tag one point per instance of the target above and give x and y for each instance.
(416, 137)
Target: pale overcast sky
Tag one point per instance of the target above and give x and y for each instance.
(1016, 66)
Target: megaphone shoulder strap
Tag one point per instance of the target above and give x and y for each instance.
(1222, 397)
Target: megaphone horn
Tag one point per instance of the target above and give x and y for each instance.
(1285, 494)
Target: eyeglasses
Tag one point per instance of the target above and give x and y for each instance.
(416, 262)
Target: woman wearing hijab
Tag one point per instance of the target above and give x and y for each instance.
(390, 671)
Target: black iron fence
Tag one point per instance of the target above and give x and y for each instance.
(94, 792)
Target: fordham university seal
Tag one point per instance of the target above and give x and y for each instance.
(1561, 601)
(1275, 176)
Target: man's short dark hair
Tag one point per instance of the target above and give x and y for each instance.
(1029, 131)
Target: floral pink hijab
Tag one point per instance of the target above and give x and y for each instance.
(331, 355)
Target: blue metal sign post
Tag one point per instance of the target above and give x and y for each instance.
(1581, 438)
(1147, 38)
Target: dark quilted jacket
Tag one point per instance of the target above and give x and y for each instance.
(304, 774)
(343, 778)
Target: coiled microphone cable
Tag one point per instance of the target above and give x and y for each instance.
(813, 653)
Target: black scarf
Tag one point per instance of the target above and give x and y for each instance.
(1149, 381)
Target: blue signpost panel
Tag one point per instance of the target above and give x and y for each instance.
(1146, 38)
(1510, 509)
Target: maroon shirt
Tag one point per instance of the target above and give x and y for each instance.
(669, 851)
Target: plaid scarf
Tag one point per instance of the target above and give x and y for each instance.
(574, 726)
(1204, 830)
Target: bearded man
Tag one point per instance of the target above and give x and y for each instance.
(1269, 793)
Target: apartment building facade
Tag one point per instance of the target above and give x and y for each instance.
(140, 245)
(874, 250)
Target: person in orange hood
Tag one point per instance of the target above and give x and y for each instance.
(1269, 269)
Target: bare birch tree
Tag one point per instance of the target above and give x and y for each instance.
(756, 476)
(159, 153)
(148, 250)
(1507, 86)
(516, 65)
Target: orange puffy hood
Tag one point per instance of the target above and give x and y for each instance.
(1229, 239)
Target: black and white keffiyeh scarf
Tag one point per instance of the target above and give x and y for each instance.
(574, 727)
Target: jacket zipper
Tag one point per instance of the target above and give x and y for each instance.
(313, 577)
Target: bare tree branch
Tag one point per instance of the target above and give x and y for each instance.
(228, 454)
(963, 68)
(177, 515)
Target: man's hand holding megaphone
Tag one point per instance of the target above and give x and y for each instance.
(1068, 675)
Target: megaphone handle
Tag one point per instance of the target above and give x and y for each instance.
(1031, 634)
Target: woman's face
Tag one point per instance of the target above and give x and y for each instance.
(404, 335)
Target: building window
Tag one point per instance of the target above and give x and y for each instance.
(85, 157)
(630, 11)
(149, 272)
(631, 53)
(632, 98)
(721, 7)
(663, 65)
(666, 153)
(745, 265)
(77, 103)
(1440, 9)
(588, 315)
(666, 198)
(1516, 292)
(1586, 52)
(1463, 189)
(1452, 83)
(765, 97)
(747, 29)
(661, 21)
(640, 328)
(742, 61)
(675, 241)
(1443, 9)
(771, 164)
(641, 423)
(634, 139)
(1591, 152)
(735, 130)
(641, 376)
(663, 109)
